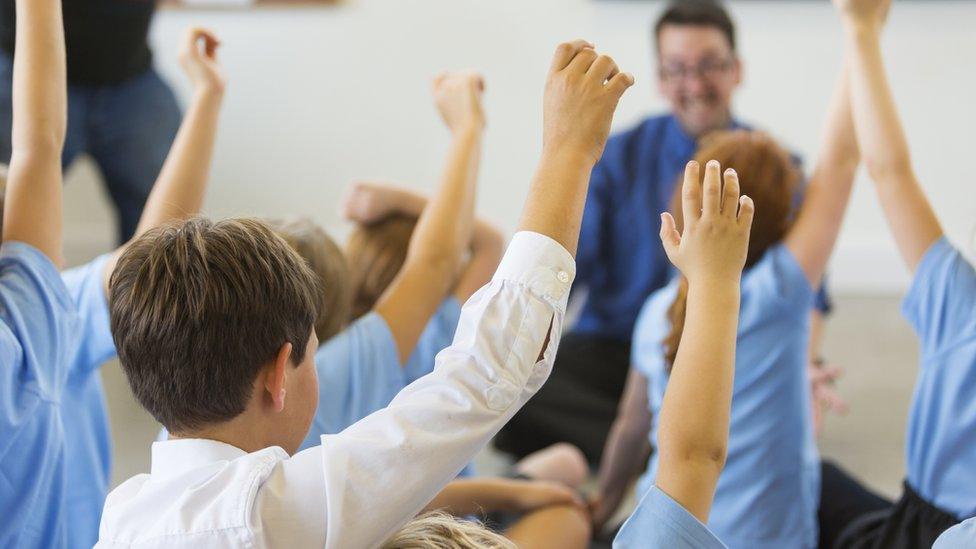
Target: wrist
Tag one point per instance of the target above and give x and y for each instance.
(862, 28)
(208, 92)
(470, 128)
(717, 287)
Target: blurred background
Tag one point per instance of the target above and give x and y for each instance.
(322, 94)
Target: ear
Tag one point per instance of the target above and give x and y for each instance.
(275, 375)
(738, 70)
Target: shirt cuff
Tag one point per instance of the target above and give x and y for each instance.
(539, 263)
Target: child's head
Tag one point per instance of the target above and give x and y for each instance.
(213, 322)
(376, 253)
(442, 531)
(327, 261)
(769, 176)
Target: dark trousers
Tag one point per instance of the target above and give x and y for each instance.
(578, 403)
(853, 517)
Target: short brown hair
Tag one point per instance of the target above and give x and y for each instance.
(327, 261)
(376, 253)
(696, 13)
(199, 307)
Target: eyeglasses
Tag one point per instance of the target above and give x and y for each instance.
(707, 70)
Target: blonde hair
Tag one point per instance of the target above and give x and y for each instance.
(376, 253)
(438, 530)
(327, 261)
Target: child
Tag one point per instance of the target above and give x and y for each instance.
(940, 489)
(38, 321)
(177, 194)
(214, 327)
(767, 495)
(694, 425)
(442, 531)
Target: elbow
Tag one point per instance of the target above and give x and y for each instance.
(710, 455)
(39, 145)
(443, 263)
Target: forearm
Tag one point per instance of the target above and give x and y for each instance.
(815, 348)
(554, 206)
(444, 228)
(693, 439)
(33, 196)
(179, 189)
(879, 130)
(39, 79)
(624, 454)
(474, 496)
(882, 140)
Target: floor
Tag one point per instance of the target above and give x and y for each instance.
(866, 336)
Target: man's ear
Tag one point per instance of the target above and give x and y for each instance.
(275, 374)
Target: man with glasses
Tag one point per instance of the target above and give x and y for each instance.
(620, 260)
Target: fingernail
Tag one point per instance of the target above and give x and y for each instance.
(714, 164)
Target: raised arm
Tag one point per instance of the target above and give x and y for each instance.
(880, 135)
(371, 202)
(33, 200)
(475, 496)
(582, 93)
(444, 228)
(625, 450)
(179, 190)
(694, 423)
(813, 235)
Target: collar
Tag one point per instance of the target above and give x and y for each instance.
(171, 457)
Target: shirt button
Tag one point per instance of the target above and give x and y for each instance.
(563, 277)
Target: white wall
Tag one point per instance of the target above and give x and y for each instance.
(319, 97)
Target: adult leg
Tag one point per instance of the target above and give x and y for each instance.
(577, 404)
(131, 127)
(556, 527)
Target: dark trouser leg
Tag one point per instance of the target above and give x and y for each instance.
(842, 501)
(577, 404)
(131, 127)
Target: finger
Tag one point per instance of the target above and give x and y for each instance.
(210, 42)
(603, 68)
(620, 82)
(712, 189)
(582, 61)
(746, 211)
(691, 195)
(565, 53)
(730, 194)
(670, 237)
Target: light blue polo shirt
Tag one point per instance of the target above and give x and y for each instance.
(38, 326)
(941, 445)
(768, 493)
(359, 369)
(659, 522)
(88, 440)
(960, 536)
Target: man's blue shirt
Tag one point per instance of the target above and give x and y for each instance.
(620, 260)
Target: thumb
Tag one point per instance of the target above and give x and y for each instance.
(670, 237)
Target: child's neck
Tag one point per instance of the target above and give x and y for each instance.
(244, 431)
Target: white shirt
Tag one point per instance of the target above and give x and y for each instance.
(362, 485)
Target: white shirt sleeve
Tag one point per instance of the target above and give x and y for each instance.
(363, 484)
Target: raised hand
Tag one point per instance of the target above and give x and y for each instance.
(367, 202)
(717, 221)
(198, 57)
(582, 92)
(864, 11)
(458, 99)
